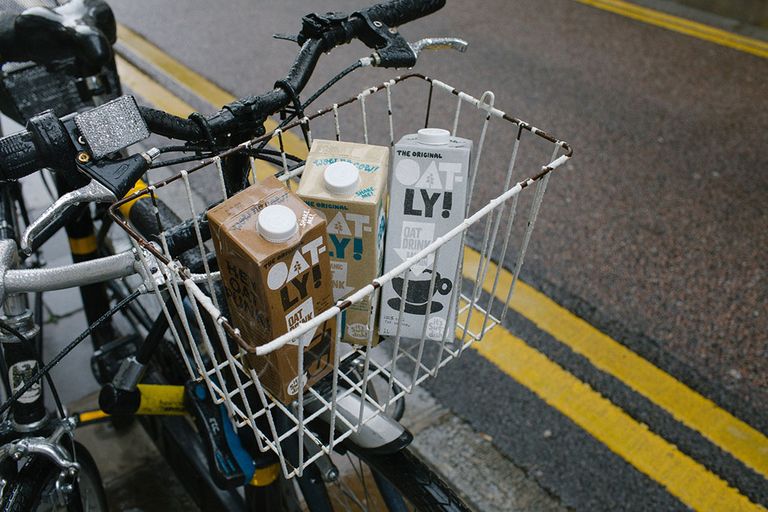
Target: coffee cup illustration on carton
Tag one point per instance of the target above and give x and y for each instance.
(272, 251)
(418, 293)
(428, 194)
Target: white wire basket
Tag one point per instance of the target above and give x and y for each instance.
(365, 381)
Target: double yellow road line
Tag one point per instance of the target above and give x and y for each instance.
(682, 26)
(682, 476)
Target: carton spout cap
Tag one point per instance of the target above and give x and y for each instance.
(341, 178)
(277, 223)
(433, 136)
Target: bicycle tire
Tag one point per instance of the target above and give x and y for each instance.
(416, 482)
(37, 480)
(403, 473)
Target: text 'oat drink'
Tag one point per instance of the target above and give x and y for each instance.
(428, 195)
(348, 183)
(272, 251)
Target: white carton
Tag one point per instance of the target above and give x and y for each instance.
(428, 196)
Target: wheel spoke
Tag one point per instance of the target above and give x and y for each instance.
(365, 486)
(350, 495)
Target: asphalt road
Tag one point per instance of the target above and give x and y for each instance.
(655, 233)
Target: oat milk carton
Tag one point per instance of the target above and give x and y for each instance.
(272, 251)
(428, 196)
(348, 183)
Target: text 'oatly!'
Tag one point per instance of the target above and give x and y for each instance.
(348, 183)
(428, 195)
(272, 251)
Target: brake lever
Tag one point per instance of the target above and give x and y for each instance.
(400, 53)
(93, 192)
(108, 181)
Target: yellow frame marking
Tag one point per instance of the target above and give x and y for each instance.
(684, 404)
(682, 26)
(125, 208)
(84, 245)
(93, 416)
(161, 399)
(265, 476)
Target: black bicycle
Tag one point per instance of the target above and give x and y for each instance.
(145, 371)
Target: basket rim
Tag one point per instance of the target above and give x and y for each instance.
(523, 125)
(184, 275)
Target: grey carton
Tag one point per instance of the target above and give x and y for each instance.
(428, 196)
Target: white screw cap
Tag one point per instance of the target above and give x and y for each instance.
(341, 178)
(433, 136)
(277, 223)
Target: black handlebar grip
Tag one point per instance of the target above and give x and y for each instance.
(18, 156)
(399, 12)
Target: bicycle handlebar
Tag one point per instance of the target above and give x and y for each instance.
(60, 143)
(22, 154)
(399, 12)
(18, 156)
(254, 109)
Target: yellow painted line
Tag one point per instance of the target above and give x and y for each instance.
(136, 80)
(190, 79)
(686, 405)
(196, 83)
(682, 25)
(683, 477)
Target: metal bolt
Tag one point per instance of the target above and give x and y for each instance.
(83, 157)
(17, 455)
(377, 24)
(72, 471)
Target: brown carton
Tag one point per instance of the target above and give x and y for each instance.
(272, 253)
(348, 183)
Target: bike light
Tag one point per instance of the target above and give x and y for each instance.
(112, 126)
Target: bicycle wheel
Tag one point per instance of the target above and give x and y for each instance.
(396, 482)
(404, 472)
(35, 487)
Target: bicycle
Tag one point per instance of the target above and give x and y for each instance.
(249, 437)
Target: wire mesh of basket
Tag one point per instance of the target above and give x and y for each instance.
(366, 383)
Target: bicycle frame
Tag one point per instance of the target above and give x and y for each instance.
(161, 401)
